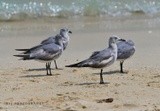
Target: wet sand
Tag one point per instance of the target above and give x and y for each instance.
(25, 86)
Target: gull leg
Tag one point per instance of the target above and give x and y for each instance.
(49, 67)
(101, 77)
(121, 66)
(55, 64)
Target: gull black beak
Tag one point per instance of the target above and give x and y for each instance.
(122, 40)
(70, 32)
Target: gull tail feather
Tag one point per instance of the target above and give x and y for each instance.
(23, 57)
(79, 64)
(21, 49)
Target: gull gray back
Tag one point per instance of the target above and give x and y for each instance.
(125, 49)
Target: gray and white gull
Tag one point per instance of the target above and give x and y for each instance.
(126, 49)
(44, 52)
(65, 38)
(101, 59)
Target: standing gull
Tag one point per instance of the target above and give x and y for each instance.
(101, 59)
(44, 53)
(64, 33)
(65, 38)
(125, 50)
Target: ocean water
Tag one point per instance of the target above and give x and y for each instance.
(32, 9)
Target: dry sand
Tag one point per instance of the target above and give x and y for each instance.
(25, 86)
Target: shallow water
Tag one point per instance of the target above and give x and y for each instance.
(83, 24)
(31, 9)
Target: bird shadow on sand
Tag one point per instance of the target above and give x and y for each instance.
(42, 69)
(40, 75)
(91, 83)
(111, 72)
(34, 76)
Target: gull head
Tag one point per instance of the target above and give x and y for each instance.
(64, 31)
(113, 40)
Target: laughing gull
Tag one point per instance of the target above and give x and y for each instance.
(65, 38)
(125, 50)
(44, 53)
(64, 33)
(101, 59)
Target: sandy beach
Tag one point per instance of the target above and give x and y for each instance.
(25, 86)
